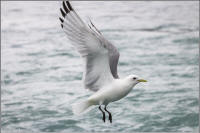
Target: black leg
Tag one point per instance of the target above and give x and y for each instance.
(104, 117)
(110, 115)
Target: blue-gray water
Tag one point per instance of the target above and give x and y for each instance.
(41, 71)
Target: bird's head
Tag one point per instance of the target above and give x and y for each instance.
(133, 80)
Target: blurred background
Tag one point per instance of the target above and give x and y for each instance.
(41, 71)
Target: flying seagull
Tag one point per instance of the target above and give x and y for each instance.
(100, 62)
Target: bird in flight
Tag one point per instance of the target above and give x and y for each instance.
(100, 63)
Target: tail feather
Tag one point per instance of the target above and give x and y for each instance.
(78, 108)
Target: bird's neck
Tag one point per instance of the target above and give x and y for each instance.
(126, 86)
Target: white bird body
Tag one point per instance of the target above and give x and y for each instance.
(114, 91)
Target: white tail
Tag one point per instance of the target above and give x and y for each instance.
(80, 107)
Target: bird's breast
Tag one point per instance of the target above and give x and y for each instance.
(110, 93)
(118, 93)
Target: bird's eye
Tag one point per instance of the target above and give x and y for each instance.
(134, 78)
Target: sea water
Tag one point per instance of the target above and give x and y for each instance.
(41, 72)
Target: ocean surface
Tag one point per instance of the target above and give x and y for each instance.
(41, 72)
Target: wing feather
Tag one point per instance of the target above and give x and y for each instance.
(97, 52)
(113, 52)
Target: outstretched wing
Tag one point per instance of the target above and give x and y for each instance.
(96, 51)
(113, 52)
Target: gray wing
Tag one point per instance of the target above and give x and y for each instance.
(99, 55)
(113, 52)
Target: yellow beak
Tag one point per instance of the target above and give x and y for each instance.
(142, 80)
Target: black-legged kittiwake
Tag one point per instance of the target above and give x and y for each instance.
(100, 58)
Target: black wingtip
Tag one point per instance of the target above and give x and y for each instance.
(92, 23)
(65, 8)
(61, 25)
(69, 6)
(89, 26)
(62, 12)
(61, 20)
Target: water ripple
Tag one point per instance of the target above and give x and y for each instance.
(41, 72)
